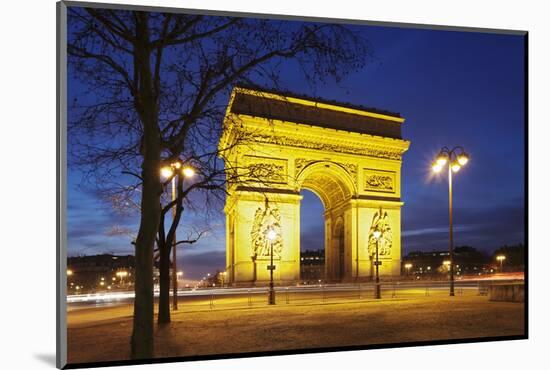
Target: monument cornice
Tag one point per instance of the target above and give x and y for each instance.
(283, 133)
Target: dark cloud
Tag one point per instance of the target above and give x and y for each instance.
(485, 228)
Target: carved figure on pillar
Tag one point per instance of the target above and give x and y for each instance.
(380, 221)
(265, 219)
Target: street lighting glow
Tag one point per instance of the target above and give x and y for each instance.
(166, 172)
(447, 263)
(69, 272)
(463, 159)
(501, 258)
(122, 274)
(408, 265)
(188, 172)
(271, 234)
(455, 166)
(436, 167)
(441, 160)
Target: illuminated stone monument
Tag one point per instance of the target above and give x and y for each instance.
(273, 146)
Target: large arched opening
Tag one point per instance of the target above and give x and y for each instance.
(332, 184)
(312, 238)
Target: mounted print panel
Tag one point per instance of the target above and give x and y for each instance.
(239, 185)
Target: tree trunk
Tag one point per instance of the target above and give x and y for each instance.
(142, 335)
(164, 281)
(146, 104)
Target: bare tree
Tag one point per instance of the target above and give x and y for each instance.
(155, 86)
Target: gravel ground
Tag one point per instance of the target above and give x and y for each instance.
(103, 334)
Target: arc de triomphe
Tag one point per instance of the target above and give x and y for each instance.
(274, 145)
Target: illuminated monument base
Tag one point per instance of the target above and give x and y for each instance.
(274, 146)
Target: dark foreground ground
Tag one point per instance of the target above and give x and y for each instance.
(102, 334)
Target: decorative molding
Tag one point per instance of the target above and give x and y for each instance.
(381, 222)
(301, 163)
(381, 152)
(379, 181)
(265, 219)
(352, 170)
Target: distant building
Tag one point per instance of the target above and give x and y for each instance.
(514, 258)
(312, 265)
(99, 272)
(434, 264)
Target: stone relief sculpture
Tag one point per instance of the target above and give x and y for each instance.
(379, 182)
(265, 219)
(267, 172)
(380, 221)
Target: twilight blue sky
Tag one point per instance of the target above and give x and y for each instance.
(451, 88)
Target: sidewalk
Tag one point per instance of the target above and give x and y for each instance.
(295, 326)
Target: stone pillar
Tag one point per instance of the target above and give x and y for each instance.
(251, 249)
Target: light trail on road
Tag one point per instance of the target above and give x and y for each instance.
(117, 298)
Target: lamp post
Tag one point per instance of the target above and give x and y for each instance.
(271, 235)
(501, 258)
(377, 234)
(454, 159)
(167, 172)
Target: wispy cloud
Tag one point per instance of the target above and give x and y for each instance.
(437, 230)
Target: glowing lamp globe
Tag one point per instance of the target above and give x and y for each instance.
(441, 160)
(188, 172)
(463, 159)
(166, 172)
(436, 167)
(271, 234)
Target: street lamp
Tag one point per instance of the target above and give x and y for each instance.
(501, 258)
(377, 234)
(271, 235)
(454, 159)
(171, 172)
(408, 267)
(121, 275)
